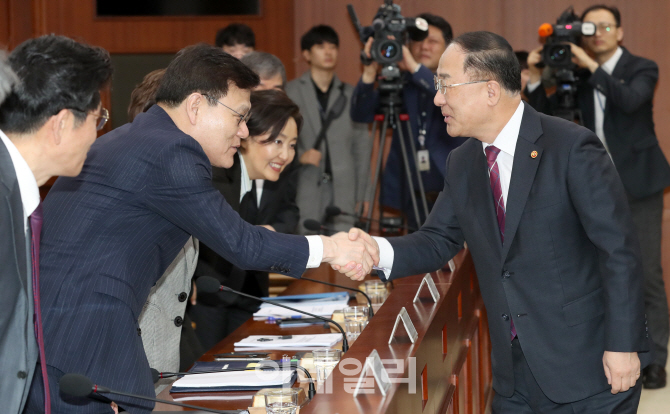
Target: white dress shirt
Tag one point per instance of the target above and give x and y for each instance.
(30, 193)
(599, 99)
(506, 142)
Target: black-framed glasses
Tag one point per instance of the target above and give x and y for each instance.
(439, 86)
(242, 118)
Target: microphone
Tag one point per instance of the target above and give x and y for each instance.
(310, 393)
(78, 385)
(372, 313)
(314, 225)
(208, 284)
(332, 211)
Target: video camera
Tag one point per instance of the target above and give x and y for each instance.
(568, 29)
(389, 29)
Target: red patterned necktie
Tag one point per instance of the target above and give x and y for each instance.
(498, 200)
(36, 230)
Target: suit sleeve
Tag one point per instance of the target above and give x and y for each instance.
(423, 79)
(430, 248)
(364, 102)
(602, 207)
(628, 96)
(181, 191)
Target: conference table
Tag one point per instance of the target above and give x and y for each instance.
(447, 369)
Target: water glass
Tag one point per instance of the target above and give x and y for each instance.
(325, 361)
(377, 292)
(282, 401)
(356, 319)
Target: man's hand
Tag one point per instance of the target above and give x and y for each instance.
(622, 370)
(311, 156)
(369, 71)
(372, 248)
(582, 59)
(534, 57)
(408, 62)
(351, 253)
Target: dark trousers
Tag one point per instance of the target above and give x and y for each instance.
(528, 398)
(648, 216)
(213, 323)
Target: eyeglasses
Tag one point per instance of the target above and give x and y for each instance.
(443, 88)
(605, 27)
(242, 118)
(102, 119)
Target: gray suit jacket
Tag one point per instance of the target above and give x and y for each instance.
(18, 348)
(161, 330)
(349, 144)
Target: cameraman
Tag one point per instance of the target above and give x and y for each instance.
(419, 64)
(615, 94)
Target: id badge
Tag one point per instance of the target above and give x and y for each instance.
(423, 160)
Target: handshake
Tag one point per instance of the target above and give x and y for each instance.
(353, 253)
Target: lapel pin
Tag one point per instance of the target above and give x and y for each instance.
(533, 154)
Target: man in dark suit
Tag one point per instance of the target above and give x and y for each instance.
(545, 218)
(47, 124)
(146, 187)
(615, 94)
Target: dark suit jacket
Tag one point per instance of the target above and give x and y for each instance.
(418, 92)
(18, 348)
(628, 123)
(569, 272)
(277, 208)
(110, 233)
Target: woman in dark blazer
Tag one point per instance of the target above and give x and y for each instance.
(261, 186)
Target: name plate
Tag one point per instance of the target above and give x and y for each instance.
(407, 323)
(428, 281)
(374, 364)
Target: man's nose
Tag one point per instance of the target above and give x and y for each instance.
(242, 130)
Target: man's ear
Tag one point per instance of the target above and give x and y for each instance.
(619, 35)
(58, 124)
(307, 55)
(493, 92)
(194, 104)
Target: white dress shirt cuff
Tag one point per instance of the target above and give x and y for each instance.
(532, 86)
(315, 251)
(386, 255)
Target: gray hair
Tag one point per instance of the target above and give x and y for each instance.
(266, 65)
(7, 77)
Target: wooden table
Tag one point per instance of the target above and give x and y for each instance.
(448, 366)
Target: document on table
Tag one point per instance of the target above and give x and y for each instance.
(235, 381)
(322, 305)
(289, 341)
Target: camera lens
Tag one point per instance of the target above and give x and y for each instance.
(559, 54)
(388, 50)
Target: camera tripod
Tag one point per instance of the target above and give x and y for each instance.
(390, 102)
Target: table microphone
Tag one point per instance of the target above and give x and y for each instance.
(332, 211)
(372, 313)
(208, 284)
(315, 225)
(310, 393)
(78, 385)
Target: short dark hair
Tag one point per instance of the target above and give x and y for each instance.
(522, 57)
(441, 24)
(490, 56)
(270, 110)
(144, 94)
(204, 69)
(318, 35)
(236, 34)
(266, 65)
(55, 73)
(612, 9)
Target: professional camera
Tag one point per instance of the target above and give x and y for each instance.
(389, 29)
(568, 29)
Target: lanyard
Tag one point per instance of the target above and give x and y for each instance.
(422, 121)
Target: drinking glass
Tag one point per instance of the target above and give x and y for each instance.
(356, 319)
(282, 401)
(324, 362)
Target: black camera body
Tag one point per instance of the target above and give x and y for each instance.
(568, 29)
(390, 31)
